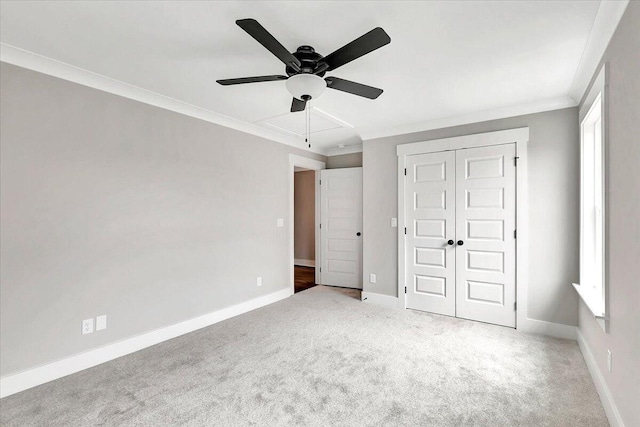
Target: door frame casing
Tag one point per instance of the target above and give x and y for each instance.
(519, 136)
(315, 165)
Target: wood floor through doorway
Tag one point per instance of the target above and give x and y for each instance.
(305, 278)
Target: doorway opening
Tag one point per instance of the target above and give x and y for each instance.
(304, 223)
(304, 219)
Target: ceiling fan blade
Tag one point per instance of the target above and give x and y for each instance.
(241, 80)
(298, 105)
(353, 87)
(258, 32)
(369, 42)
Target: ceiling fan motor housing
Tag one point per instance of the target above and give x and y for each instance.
(309, 60)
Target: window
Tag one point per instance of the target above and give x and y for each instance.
(592, 287)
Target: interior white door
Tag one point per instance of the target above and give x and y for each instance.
(430, 220)
(485, 234)
(341, 227)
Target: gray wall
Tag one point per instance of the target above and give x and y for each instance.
(553, 203)
(110, 206)
(351, 160)
(623, 219)
(304, 214)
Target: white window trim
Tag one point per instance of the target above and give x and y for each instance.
(597, 304)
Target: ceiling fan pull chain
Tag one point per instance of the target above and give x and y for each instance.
(308, 138)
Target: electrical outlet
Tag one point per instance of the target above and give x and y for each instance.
(87, 326)
(280, 222)
(101, 322)
(609, 360)
(259, 281)
(394, 222)
(372, 278)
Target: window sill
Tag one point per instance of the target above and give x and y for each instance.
(594, 307)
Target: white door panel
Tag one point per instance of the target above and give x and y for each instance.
(467, 196)
(485, 223)
(430, 220)
(341, 222)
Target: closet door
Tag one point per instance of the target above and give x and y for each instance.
(430, 219)
(485, 240)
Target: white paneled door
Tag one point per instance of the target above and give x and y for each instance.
(460, 243)
(430, 209)
(485, 227)
(341, 227)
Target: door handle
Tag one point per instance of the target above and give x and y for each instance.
(450, 242)
(460, 243)
(358, 233)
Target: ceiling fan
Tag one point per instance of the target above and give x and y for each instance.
(305, 67)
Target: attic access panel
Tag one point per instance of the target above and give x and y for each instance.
(296, 123)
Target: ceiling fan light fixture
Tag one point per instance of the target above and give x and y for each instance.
(306, 86)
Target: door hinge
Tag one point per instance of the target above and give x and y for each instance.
(405, 171)
(320, 269)
(320, 182)
(320, 226)
(405, 289)
(515, 234)
(515, 305)
(515, 159)
(405, 230)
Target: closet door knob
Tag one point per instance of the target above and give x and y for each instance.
(358, 233)
(460, 243)
(450, 243)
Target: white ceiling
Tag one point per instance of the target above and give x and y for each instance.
(445, 59)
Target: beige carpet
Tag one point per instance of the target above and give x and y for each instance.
(323, 358)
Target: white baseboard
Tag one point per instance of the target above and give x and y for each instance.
(379, 299)
(304, 262)
(551, 329)
(20, 381)
(601, 386)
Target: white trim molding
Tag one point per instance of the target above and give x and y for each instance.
(597, 95)
(24, 380)
(472, 117)
(519, 136)
(550, 329)
(379, 299)
(309, 164)
(608, 403)
(603, 28)
(347, 149)
(42, 64)
(304, 262)
(598, 314)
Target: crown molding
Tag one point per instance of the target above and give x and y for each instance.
(42, 64)
(347, 149)
(605, 23)
(475, 117)
(604, 26)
